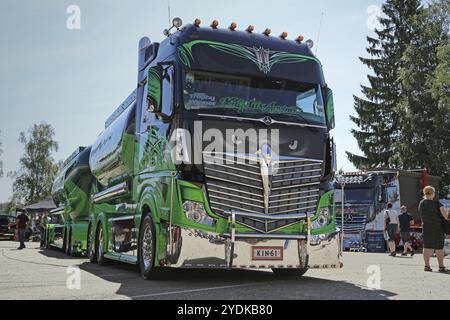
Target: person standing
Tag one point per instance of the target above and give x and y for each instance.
(431, 212)
(405, 220)
(392, 227)
(22, 221)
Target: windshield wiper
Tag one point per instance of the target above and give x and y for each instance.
(267, 120)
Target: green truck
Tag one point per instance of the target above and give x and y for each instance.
(220, 158)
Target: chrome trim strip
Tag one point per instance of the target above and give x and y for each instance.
(291, 204)
(232, 174)
(262, 120)
(114, 191)
(228, 160)
(298, 178)
(231, 168)
(231, 189)
(297, 192)
(57, 211)
(121, 218)
(301, 165)
(222, 179)
(316, 161)
(298, 198)
(299, 216)
(302, 208)
(298, 172)
(237, 201)
(297, 186)
(233, 207)
(267, 236)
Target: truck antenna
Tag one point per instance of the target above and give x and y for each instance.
(318, 34)
(168, 10)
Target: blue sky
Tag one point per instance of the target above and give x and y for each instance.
(74, 79)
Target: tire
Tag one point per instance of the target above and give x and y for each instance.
(91, 247)
(47, 240)
(290, 272)
(101, 260)
(69, 243)
(64, 248)
(146, 249)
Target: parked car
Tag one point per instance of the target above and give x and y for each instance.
(5, 223)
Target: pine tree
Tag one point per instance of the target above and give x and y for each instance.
(424, 109)
(377, 118)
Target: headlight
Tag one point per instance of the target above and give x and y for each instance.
(323, 219)
(196, 212)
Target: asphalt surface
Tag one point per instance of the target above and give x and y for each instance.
(33, 273)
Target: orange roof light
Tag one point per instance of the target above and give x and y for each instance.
(250, 29)
(284, 35)
(215, 24)
(233, 26)
(267, 32)
(300, 39)
(197, 22)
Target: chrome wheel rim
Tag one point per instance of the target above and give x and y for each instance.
(91, 247)
(100, 243)
(147, 250)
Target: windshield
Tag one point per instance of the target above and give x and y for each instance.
(249, 96)
(365, 195)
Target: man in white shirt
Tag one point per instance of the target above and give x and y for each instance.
(392, 226)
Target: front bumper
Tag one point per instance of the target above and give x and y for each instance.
(198, 249)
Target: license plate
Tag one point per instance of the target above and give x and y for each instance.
(267, 253)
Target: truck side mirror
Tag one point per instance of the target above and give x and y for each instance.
(330, 108)
(154, 81)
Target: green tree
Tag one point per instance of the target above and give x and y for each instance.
(34, 179)
(424, 108)
(377, 118)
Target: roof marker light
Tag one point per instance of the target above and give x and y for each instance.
(197, 22)
(215, 24)
(300, 39)
(250, 29)
(233, 26)
(267, 32)
(284, 35)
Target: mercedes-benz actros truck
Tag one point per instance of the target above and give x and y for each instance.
(220, 158)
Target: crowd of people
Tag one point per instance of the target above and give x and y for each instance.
(435, 226)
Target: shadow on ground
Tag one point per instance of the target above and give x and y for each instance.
(221, 284)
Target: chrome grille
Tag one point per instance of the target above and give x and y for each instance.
(356, 225)
(236, 183)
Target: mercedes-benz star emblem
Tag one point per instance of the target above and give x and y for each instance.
(267, 120)
(348, 217)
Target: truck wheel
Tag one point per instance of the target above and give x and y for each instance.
(101, 260)
(290, 272)
(47, 239)
(90, 248)
(69, 243)
(146, 249)
(64, 248)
